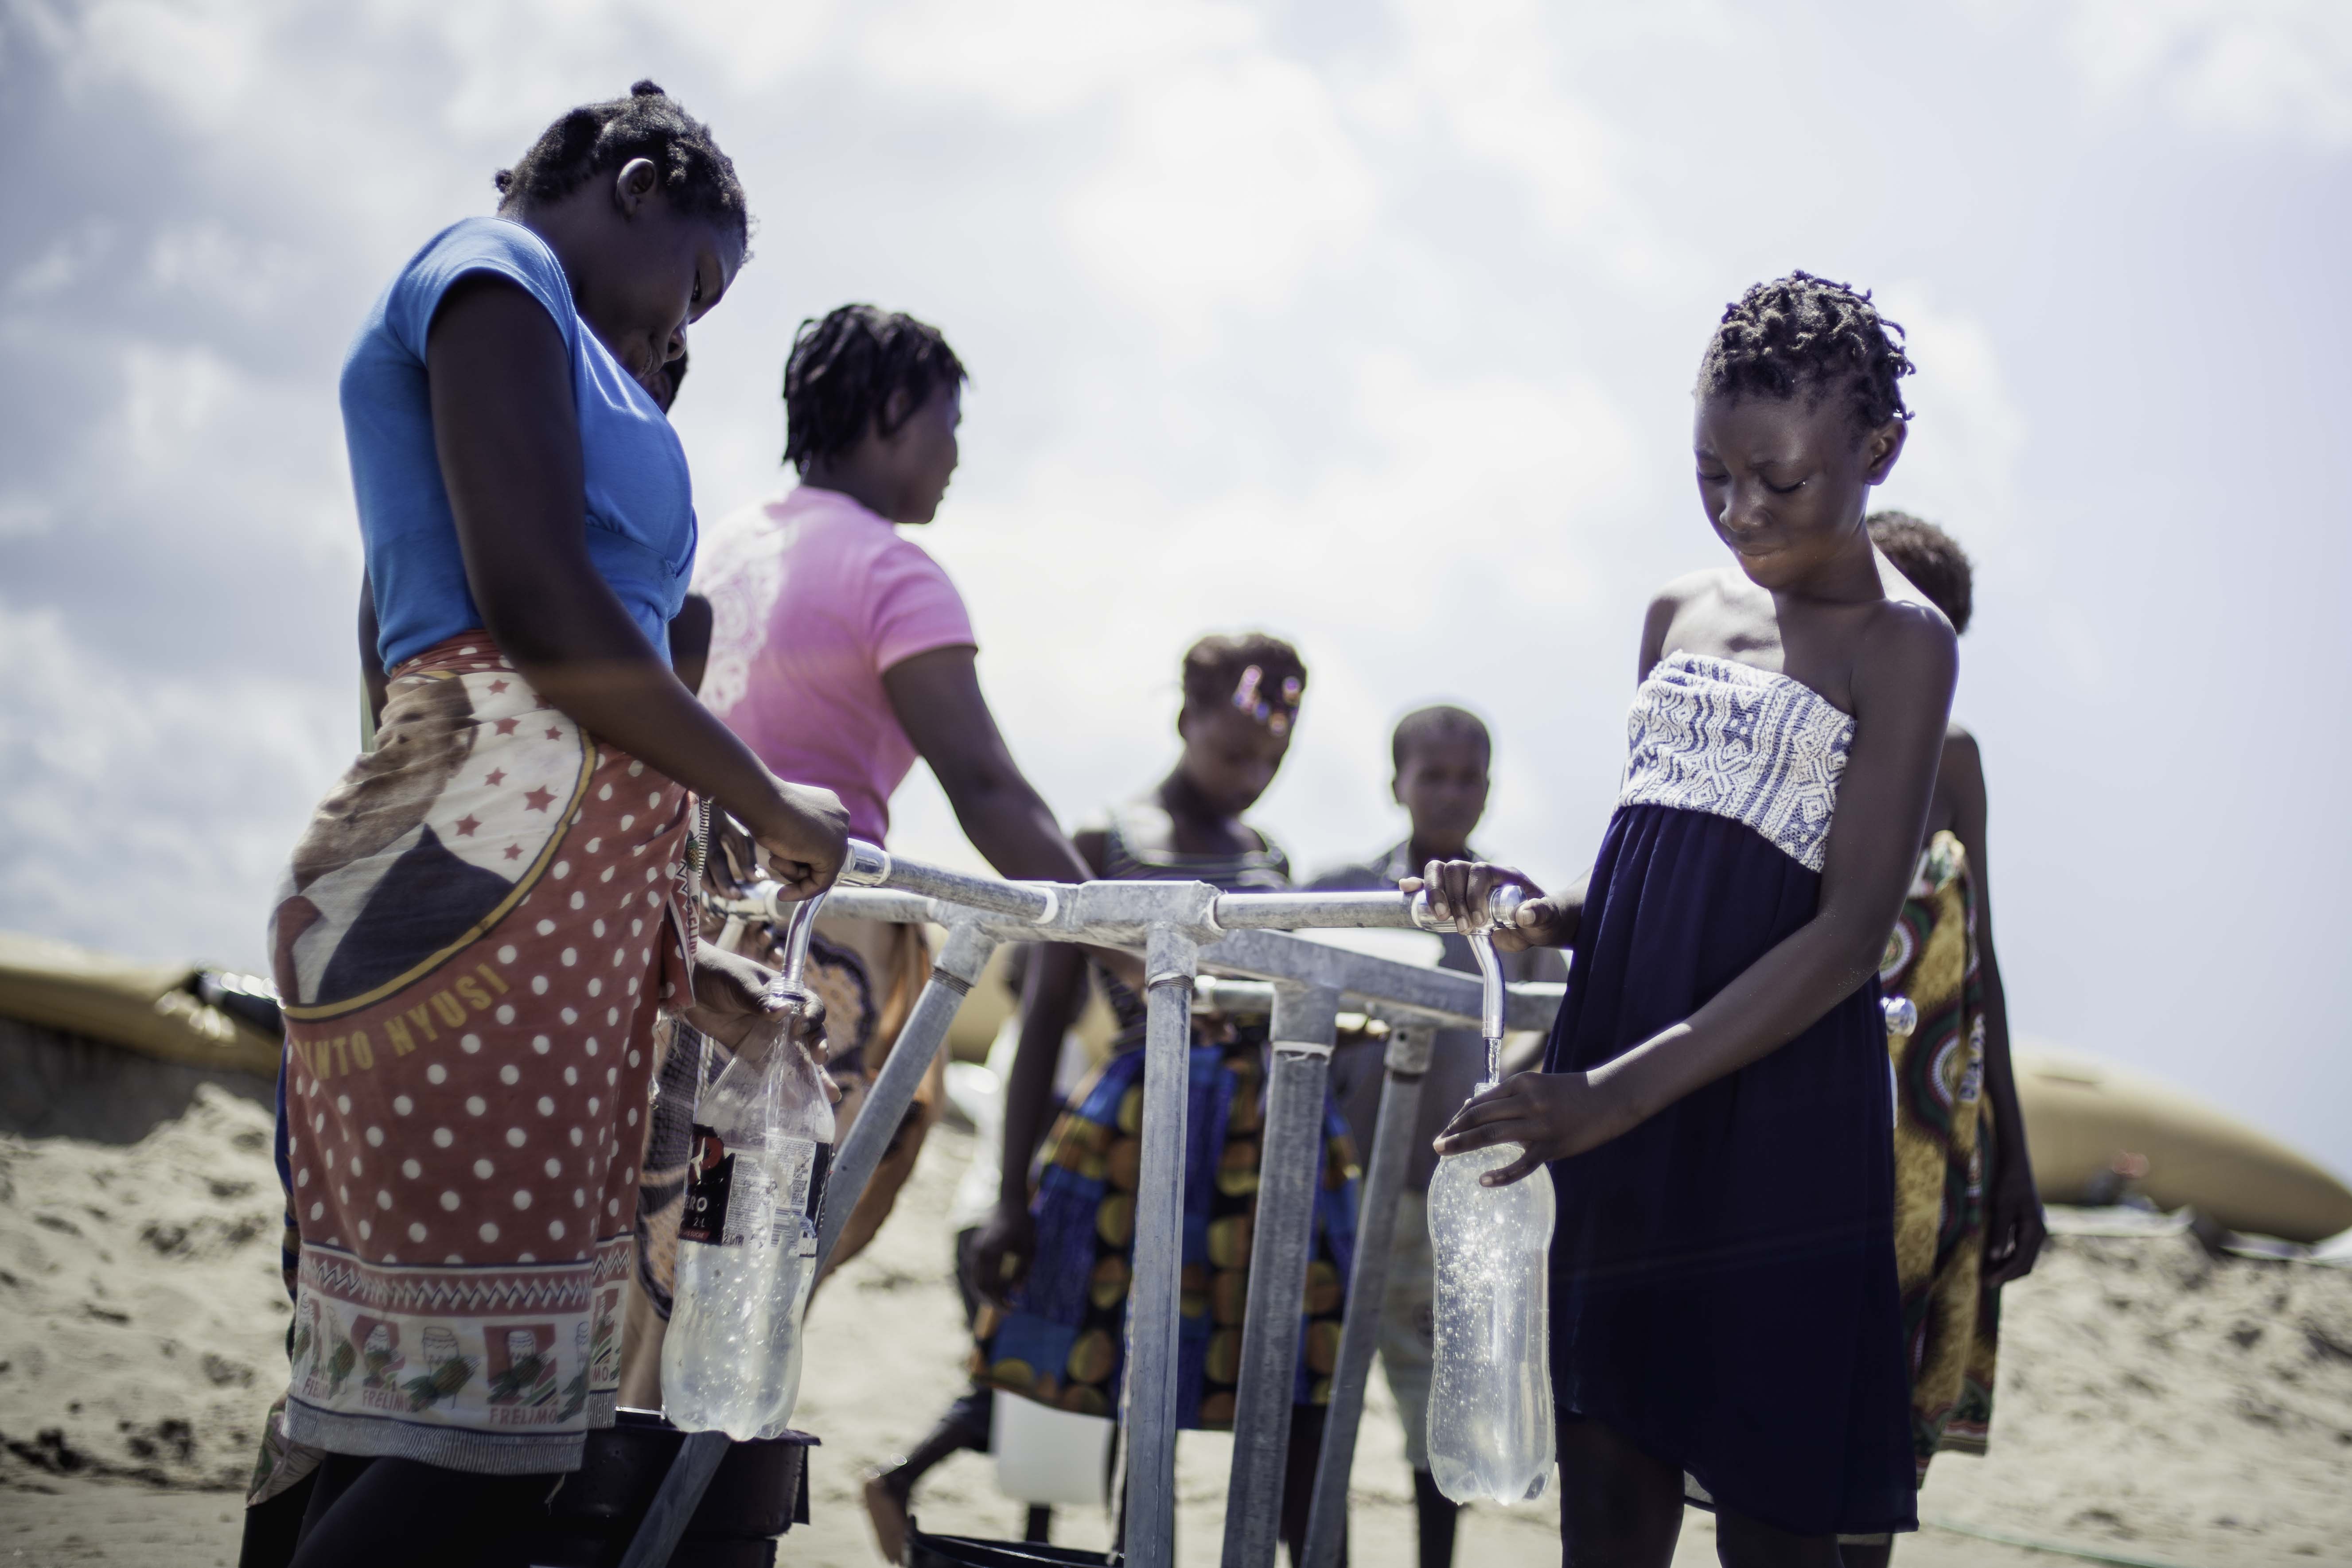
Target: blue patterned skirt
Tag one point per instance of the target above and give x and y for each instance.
(1724, 1292)
(1063, 1343)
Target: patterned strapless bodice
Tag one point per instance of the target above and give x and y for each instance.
(1710, 735)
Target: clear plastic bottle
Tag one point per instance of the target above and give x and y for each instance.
(1490, 1417)
(802, 1136)
(747, 1242)
(1490, 1423)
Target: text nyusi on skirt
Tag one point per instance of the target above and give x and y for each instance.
(476, 935)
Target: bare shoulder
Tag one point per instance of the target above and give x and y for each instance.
(1907, 652)
(1693, 590)
(1690, 588)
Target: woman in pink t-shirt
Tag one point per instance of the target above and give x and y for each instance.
(840, 652)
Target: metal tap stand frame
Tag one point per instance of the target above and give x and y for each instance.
(1186, 932)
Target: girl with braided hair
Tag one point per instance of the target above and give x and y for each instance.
(1714, 1101)
(482, 922)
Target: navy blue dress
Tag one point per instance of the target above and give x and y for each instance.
(1724, 1291)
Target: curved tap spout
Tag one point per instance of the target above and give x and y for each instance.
(1502, 908)
(799, 925)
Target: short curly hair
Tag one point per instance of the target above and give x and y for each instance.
(1803, 335)
(599, 138)
(843, 369)
(1434, 725)
(1932, 559)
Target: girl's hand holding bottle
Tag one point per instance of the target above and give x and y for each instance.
(736, 1005)
(1549, 1115)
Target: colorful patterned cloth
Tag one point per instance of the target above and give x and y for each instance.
(1943, 1132)
(476, 931)
(1065, 1342)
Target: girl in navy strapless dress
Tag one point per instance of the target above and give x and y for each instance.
(1715, 1105)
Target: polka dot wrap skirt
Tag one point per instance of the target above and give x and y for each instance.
(472, 946)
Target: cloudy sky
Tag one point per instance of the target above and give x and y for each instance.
(1372, 325)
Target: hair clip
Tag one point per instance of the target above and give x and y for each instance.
(1271, 712)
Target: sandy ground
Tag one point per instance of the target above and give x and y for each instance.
(2155, 1405)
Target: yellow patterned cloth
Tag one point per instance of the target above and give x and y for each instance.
(1943, 1140)
(1064, 1340)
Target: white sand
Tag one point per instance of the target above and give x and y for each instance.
(2153, 1404)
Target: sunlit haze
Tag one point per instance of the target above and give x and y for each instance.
(1373, 327)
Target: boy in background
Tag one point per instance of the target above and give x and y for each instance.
(1442, 756)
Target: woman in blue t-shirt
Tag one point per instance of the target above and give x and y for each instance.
(483, 917)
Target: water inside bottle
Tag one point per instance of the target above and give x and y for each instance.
(1490, 1411)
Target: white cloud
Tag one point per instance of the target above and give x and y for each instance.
(1372, 326)
(25, 516)
(1029, 58)
(1961, 459)
(1232, 181)
(2257, 68)
(210, 261)
(1506, 82)
(1386, 573)
(146, 816)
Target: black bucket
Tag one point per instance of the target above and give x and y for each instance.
(759, 1491)
(967, 1552)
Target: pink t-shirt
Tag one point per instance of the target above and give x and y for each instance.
(812, 598)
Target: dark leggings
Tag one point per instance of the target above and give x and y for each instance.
(1621, 1508)
(392, 1513)
(1306, 1423)
(1435, 1518)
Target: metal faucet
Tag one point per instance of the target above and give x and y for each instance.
(1478, 925)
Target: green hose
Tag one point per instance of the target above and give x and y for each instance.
(2030, 1544)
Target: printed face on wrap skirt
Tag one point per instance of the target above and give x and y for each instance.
(472, 946)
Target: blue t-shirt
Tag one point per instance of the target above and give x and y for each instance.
(640, 522)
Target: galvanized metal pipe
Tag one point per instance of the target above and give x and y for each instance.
(871, 866)
(960, 960)
(1304, 911)
(1290, 1169)
(1148, 1390)
(1393, 1136)
(1172, 920)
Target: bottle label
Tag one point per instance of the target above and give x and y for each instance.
(803, 1163)
(819, 1169)
(710, 1183)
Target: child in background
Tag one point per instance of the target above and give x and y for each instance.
(1442, 757)
(1966, 1219)
(1056, 1268)
(1714, 1102)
